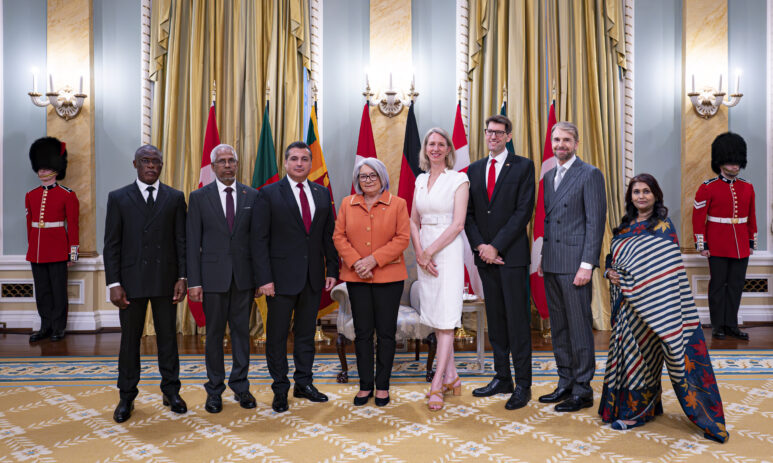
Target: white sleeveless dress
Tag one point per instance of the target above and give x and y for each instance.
(440, 297)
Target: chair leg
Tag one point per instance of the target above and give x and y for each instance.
(417, 343)
(341, 342)
(431, 341)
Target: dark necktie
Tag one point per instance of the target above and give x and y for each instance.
(305, 210)
(229, 207)
(151, 201)
(492, 178)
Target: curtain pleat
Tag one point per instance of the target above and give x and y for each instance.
(234, 47)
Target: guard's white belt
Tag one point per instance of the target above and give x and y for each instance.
(47, 224)
(732, 220)
(436, 219)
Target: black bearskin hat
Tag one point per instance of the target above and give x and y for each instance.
(728, 148)
(49, 153)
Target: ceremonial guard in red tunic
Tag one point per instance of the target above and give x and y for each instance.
(725, 229)
(52, 236)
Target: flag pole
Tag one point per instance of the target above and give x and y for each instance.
(262, 308)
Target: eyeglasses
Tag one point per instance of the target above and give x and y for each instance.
(151, 161)
(494, 133)
(368, 177)
(227, 162)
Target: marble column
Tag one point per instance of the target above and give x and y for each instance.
(390, 51)
(70, 55)
(704, 54)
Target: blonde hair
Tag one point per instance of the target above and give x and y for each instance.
(450, 157)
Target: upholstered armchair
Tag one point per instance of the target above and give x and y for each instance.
(408, 325)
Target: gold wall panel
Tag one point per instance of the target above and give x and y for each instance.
(70, 55)
(704, 54)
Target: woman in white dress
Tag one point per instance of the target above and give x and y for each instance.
(437, 221)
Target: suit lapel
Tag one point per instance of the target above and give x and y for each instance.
(292, 204)
(549, 193)
(239, 199)
(136, 196)
(567, 183)
(319, 196)
(161, 198)
(214, 201)
(481, 179)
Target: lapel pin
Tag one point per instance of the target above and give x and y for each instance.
(507, 165)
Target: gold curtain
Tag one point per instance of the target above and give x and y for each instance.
(574, 50)
(242, 46)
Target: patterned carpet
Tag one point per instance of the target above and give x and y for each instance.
(60, 410)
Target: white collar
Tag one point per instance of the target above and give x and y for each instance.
(499, 157)
(293, 183)
(568, 163)
(144, 186)
(222, 186)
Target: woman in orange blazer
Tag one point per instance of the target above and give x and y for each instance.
(372, 231)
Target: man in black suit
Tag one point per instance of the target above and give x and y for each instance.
(145, 262)
(220, 273)
(294, 258)
(500, 207)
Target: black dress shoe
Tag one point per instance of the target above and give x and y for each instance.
(718, 333)
(574, 403)
(381, 402)
(734, 332)
(214, 403)
(57, 336)
(279, 404)
(559, 395)
(246, 400)
(39, 335)
(175, 403)
(360, 401)
(309, 392)
(123, 411)
(520, 397)
(496, 386)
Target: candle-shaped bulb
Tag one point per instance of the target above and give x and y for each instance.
(413, 81)
(738, 83)
(693, 83)
(81, 86)
(367, 81)
(720, 83)
(390, 81)
(51, 83)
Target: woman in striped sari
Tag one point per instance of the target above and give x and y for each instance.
(654, 320)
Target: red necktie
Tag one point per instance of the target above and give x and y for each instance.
(305, 210)
(492, 178)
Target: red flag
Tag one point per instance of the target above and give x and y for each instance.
(536, 281)
(409, 169)
(366, 147)
(206, 176)
(459, 137)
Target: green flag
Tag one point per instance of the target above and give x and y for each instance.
(265, 162)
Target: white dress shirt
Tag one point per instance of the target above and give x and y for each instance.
(500, 158)
(566, 167)
(221, 189)
(297, 194)
(144, 189)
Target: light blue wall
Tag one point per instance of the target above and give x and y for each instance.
(24, 47)
(434, 61)
(117, 96)
(747, 51)
(346, 53)
(657, 96)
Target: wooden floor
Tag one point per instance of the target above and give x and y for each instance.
(16, 344)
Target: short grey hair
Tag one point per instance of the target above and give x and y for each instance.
(567, 127)
(222, 146)
(378, 167)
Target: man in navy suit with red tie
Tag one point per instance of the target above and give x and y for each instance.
(294, 259)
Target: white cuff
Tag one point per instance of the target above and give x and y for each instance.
(586, 266)
(113, 285)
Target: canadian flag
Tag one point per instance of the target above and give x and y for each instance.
(459, 137)
(211, 140)
(537, 282)
(366, 146)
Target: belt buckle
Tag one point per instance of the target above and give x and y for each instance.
(734, 220)
(42, 224)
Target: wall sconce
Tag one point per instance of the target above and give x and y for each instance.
(66, 102)
(706, 103)
(390, 104)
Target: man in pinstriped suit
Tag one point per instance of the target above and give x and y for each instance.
(575, 213)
